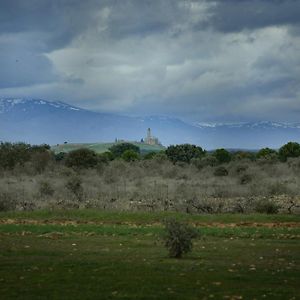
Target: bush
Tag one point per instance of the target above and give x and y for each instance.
(205, 161)
(74, 185)
(289, 150)
(46, 189)
(266, 207)
(222, 155)
(241, 168)
(150, 155)
(13, 154)
(130, 155)
(7, 202)
(60, 156)
(244, 155)
(81, 158)
(245, 179)
(105, 157)
(221, 171)
(118, 149)
(266, 153)
(178, 238)
(184, 152)
(41, 160)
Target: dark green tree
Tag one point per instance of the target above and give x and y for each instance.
(130, 155)
(184, 153)
(118, 149)
(81, 158)
(266, 153)
(13, 154)
(150, 155)
(291, 149)
(243, 155)
(222, 155)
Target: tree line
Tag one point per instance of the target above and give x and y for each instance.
(18, 154)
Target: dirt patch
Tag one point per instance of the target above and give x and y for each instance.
(132, 224)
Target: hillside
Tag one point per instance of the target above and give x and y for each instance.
(37, 121)
(103, 147)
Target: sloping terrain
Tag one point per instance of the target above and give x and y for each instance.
(38, 121)
(103, 147)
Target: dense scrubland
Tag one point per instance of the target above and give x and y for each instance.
(183, 178)
(236, 211)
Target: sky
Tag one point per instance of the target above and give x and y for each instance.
(203, 61)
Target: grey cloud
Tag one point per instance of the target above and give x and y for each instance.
(55, 23)
(237, 15)
(202, 60)
(21, 66)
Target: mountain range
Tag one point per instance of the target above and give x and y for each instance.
(39, 121)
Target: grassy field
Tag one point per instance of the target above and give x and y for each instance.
(88, 254)
(103, 147)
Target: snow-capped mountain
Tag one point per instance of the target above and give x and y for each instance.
(260, 125)
(27, 104)
(39, 121)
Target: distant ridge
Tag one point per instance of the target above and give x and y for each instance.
(39, 121)
(103, 147)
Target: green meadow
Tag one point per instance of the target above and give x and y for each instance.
(103, 147)
(89, 254)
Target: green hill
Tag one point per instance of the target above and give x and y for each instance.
(103, 147)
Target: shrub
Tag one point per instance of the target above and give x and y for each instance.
(118, 149)
(222, 155)
(105, 157)
(221, 171)
(74, 185)
(150, 155)
(241, 168)
(184, 152)
(7, 202)
(266, 153)
(82, 158)
(205, 161)
(289, 150)
(60, 156)
(266, 207)
(242, 155)
(160, 156)
(246, 178)
(46, 189)
(41, 160)
(178, 238)
(13, 154)
(130, 155)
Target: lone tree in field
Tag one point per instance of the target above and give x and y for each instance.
(178, 238)
(184, 152)
(119, 149)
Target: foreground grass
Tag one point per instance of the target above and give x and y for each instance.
(145, 218)
(121, 256)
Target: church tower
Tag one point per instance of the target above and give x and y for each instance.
(149, 134)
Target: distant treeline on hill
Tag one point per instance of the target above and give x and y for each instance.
(18, 154)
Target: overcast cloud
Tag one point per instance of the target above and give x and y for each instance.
(225, 61)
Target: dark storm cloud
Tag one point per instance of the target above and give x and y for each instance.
(29, 29)
(237, 15)
(53, 23)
